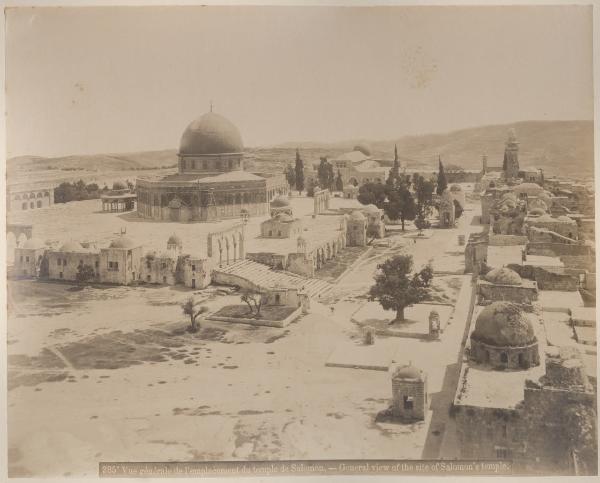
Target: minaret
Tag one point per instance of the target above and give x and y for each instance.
(484, 166)
(511, 156)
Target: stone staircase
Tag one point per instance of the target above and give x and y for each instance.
(262, 276)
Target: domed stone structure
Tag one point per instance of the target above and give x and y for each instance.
(504, 338)
(123, 243)
(409, 392)
(281, 204)
(72, 247)
(211, 183)
(503, 276)
(209, 135)
(174, 244)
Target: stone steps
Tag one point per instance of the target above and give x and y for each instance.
(265, 277)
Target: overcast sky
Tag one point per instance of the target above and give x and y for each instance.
(91, 80)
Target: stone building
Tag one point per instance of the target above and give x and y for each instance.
(24, 197)
(28, 258)
(511, 156)
(281, 225)
(446, 210)
(160, 268)
(350, 191)
(504, 338)
(211, 183)
(64, 262)
(563, 225)
(409, 393)
(357, 230)
(375, 223)
(504, 284)
(120, 261)
(476, 252)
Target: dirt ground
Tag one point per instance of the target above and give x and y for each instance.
(111, 374)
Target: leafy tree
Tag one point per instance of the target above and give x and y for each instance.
(458, 210)
(395, 288)
(130, 185)
(118, 185)
(401, 204)
(250, 297)
(92, 188)
(372, 193)
(290, 175)
(424, 195)
(193, 309)
(442, 182)
(325, 173)
(311, 186)
(85, 273)
(339, 182)
(299, 168)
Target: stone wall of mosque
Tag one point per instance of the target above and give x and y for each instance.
(301, 264)
(274, 260)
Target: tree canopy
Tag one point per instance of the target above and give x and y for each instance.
(396, 287)
(372, 194)
(290, 175)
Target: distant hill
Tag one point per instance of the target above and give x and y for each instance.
(560, 147)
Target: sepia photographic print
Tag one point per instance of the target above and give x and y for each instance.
(288, 240)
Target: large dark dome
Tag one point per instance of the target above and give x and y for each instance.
(503, 324)
(211, 134)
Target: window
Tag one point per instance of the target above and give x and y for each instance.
(408, 402)
(110, 265)
(279, 233)
(164, 265)
(277, 298)
(64, 262)
(148, 264)
(193, 268)
(504, 357)
(27, 259)
(164, 279)
(39, 204)
(97, 264)
(503, 453)
(60, 275)
(148, 278)
(116, 265)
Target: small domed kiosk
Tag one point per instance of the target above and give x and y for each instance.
(504, 338)
(409, 392)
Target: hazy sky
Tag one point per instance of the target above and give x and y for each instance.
(89, 80)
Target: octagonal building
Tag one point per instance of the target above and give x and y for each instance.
(210, 183)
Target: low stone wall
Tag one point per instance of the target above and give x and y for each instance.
(506, 240)
(511, 293)
(557, 249)
(229, 279)
(546, 279)
(260, 322)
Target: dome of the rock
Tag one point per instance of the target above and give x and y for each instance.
(211, 134)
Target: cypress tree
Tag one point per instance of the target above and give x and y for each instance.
(442, 183)
(299, 172)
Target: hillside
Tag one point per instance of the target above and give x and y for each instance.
(560, 147)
